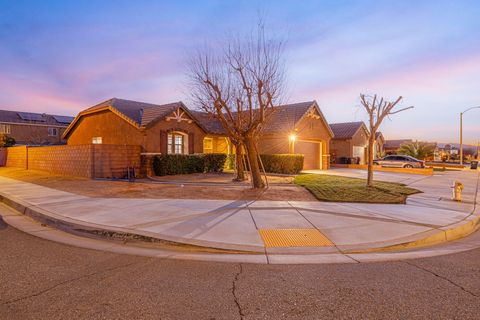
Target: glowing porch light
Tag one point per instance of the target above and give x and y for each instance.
(292, 137)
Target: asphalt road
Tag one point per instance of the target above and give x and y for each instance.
(40, 279)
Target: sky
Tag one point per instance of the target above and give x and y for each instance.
(63, 56)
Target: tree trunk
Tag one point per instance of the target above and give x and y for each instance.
(250, 144)
(240, 173)
(370, 156)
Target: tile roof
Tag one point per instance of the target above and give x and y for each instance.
(34, 118)
(394, 144)
(283, 119)
(345, 130)
(141, 113)
(209, 122)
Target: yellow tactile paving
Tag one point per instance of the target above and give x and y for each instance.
(293, 238)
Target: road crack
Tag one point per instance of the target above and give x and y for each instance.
(234, 292)
(442, 277)
(41, 292)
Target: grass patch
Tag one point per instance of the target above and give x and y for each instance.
(344, 189)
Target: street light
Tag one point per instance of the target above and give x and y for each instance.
(461, 133)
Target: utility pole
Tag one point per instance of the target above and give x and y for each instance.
(461, 132)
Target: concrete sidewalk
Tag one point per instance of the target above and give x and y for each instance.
(235, 225)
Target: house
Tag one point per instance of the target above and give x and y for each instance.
(392, 146)
(29, 128)
(173, 128)
(350, 141)
(379, 146)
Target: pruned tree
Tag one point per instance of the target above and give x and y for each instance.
(377, 109)
(240, 84)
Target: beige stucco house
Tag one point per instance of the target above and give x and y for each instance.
(173, 128)
(350, 141)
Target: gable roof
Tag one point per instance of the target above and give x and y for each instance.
(138, 114)
(395, 144)
(34, 118)
(346, 130)
(141, 114)
(209, 122)
(283, 119)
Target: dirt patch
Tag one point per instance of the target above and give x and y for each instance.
(223, 177)
(149, 190)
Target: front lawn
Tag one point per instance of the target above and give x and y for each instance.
(344, 189)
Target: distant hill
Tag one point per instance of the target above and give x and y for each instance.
(457, 145)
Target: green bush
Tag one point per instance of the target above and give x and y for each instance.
(171, 164)
(283, 163)
(230, 162)
(6, 140)
(214, 162)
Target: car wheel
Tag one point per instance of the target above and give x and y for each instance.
(409, 166)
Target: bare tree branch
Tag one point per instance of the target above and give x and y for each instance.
(239, 84)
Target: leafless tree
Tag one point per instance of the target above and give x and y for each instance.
(377, 109)
(240, 84)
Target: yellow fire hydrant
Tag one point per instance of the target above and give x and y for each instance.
(457, 191)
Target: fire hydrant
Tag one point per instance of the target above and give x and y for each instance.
(457, 191)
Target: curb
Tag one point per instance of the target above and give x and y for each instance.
(440, 237)
(90, 230)
(449, 233)
(85, 229)
(444, 234)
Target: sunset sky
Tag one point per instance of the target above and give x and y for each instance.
(63, 56)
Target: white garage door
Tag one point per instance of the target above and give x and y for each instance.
(359, 152)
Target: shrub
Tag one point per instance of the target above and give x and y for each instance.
(6, 140)
(171, 164)
(230, 162)
(214, 162)
(283, 163)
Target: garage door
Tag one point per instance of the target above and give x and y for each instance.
(360, 153)
(311, 152)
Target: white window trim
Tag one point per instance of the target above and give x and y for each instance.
(5, 128)
(51, 130)
(97, 140)
(171, 147)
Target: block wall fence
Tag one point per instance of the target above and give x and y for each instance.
(89, 161)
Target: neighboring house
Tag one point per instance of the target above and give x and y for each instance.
(173, 128)
(350, 141)
(392, 146)
(29, 128)
(378, 148)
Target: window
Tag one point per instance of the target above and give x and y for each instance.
(5, 128)
(175, 143)
(97, 140)
(52, 132)
(207, 145)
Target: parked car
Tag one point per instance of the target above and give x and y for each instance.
(399, 161)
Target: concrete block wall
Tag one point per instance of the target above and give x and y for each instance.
(89, 161)
(17, 157)
(65, 160)
(111, 161)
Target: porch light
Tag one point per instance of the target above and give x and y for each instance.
(292, 137)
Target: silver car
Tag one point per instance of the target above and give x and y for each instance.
(399, 161)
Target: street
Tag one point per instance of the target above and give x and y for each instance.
(40, 279)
